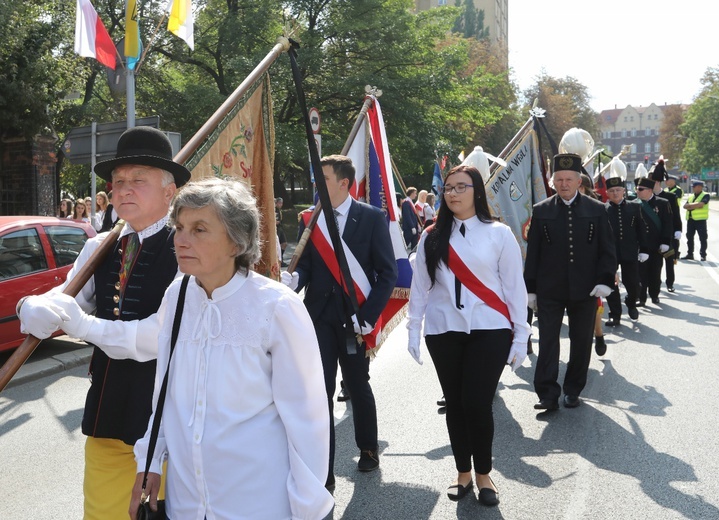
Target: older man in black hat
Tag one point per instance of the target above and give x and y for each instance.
(125, 294)
(630, 248)
(570, 262)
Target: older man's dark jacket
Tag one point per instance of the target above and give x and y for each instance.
(570, 249)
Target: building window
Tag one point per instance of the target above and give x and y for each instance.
(631, 118)
(656, 116)
(634, 148)
(647, 147)
(624, 133)
(625, 119)
(656, 147)
(442, 2)
(634, 132)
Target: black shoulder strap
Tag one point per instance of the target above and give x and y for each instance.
(163, 390)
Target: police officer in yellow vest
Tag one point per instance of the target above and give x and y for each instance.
(697, 207)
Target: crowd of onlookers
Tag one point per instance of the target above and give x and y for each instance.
(81, 209)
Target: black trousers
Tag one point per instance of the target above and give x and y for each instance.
(700, 228)
(650, 276)
(669, 263)
(333, 339)
(581, 315)
(630, 279)
(468, 367)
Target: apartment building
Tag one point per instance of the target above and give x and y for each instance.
(496, 15)
(635, 127)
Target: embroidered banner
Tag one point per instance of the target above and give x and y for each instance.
(242, 147)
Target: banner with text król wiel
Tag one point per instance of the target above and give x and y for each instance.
(513, 190)
(242, 147)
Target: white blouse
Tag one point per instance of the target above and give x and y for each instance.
(497, 263)
(245, 427)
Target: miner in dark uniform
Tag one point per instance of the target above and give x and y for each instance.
(570, 261)
(630, 248)
(677, 228)
(125, 293)
(658, 232)
(673, 187)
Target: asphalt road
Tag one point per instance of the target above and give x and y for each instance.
(641, 446)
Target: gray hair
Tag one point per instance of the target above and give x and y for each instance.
(235, 207)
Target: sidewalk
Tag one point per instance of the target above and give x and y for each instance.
(51, 357)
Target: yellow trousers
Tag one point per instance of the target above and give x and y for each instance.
(110, 473)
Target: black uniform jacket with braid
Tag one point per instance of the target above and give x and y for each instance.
(570, 249)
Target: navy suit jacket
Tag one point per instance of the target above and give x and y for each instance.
(367, 235)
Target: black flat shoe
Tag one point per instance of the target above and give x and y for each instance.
(461, 491)
(600, 347)
(571, 401)
(441, 402)
(488, 496)
(368, 461)
(633, 313)
(612, 322)
(547, 404)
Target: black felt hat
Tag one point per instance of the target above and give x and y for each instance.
(646, 182)
(146, 146)
(567, 161)
(615, 182)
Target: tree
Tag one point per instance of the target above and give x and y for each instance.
(671, 141)
(566, 101)
(701, 126)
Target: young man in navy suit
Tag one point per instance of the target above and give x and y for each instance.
(365, 233)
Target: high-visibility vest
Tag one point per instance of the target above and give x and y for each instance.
(699, 213)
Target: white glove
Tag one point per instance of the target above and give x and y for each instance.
(663, 248)
(364, 329)
(41, 317)
(413, 345)
(532, 301)
(677, 235)
(291, 280)
(77, 323)
(601, 291)
(643, 257)
(517, 354)
(414, 231)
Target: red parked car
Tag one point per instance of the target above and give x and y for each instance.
(36, 254)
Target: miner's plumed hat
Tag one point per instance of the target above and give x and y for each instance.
(145, 146)
(646, 183)
(615, 182)
(567, 161)
(659, 171)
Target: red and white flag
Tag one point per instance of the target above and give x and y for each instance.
(91, 38)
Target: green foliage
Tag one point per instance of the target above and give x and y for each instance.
(701, 127)
(442, 92)
(567, 104)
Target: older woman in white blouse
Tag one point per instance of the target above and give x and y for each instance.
(244, 428)
(467, 288)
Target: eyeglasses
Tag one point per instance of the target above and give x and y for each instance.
(642, 189)
(459, 188)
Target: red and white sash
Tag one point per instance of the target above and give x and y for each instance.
(474, 284)
(321, 239)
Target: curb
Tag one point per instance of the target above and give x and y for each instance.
(34, 370)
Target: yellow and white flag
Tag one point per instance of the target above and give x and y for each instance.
(180, 22)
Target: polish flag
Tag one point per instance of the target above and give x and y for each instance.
(91, 38)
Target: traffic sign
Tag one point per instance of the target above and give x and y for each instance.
(77, 147)
(315, 121)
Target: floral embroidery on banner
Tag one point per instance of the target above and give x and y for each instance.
(238, 150)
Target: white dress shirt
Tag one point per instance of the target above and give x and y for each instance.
(245, 427)
(497, 264)
(136, 339)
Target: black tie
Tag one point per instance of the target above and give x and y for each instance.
(457, 283)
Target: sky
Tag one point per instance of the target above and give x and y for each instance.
(626, 52)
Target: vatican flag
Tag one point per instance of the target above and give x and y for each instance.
(181, 22)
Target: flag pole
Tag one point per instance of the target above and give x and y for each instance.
(282, 45)
(517, 137)
(302, 243)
